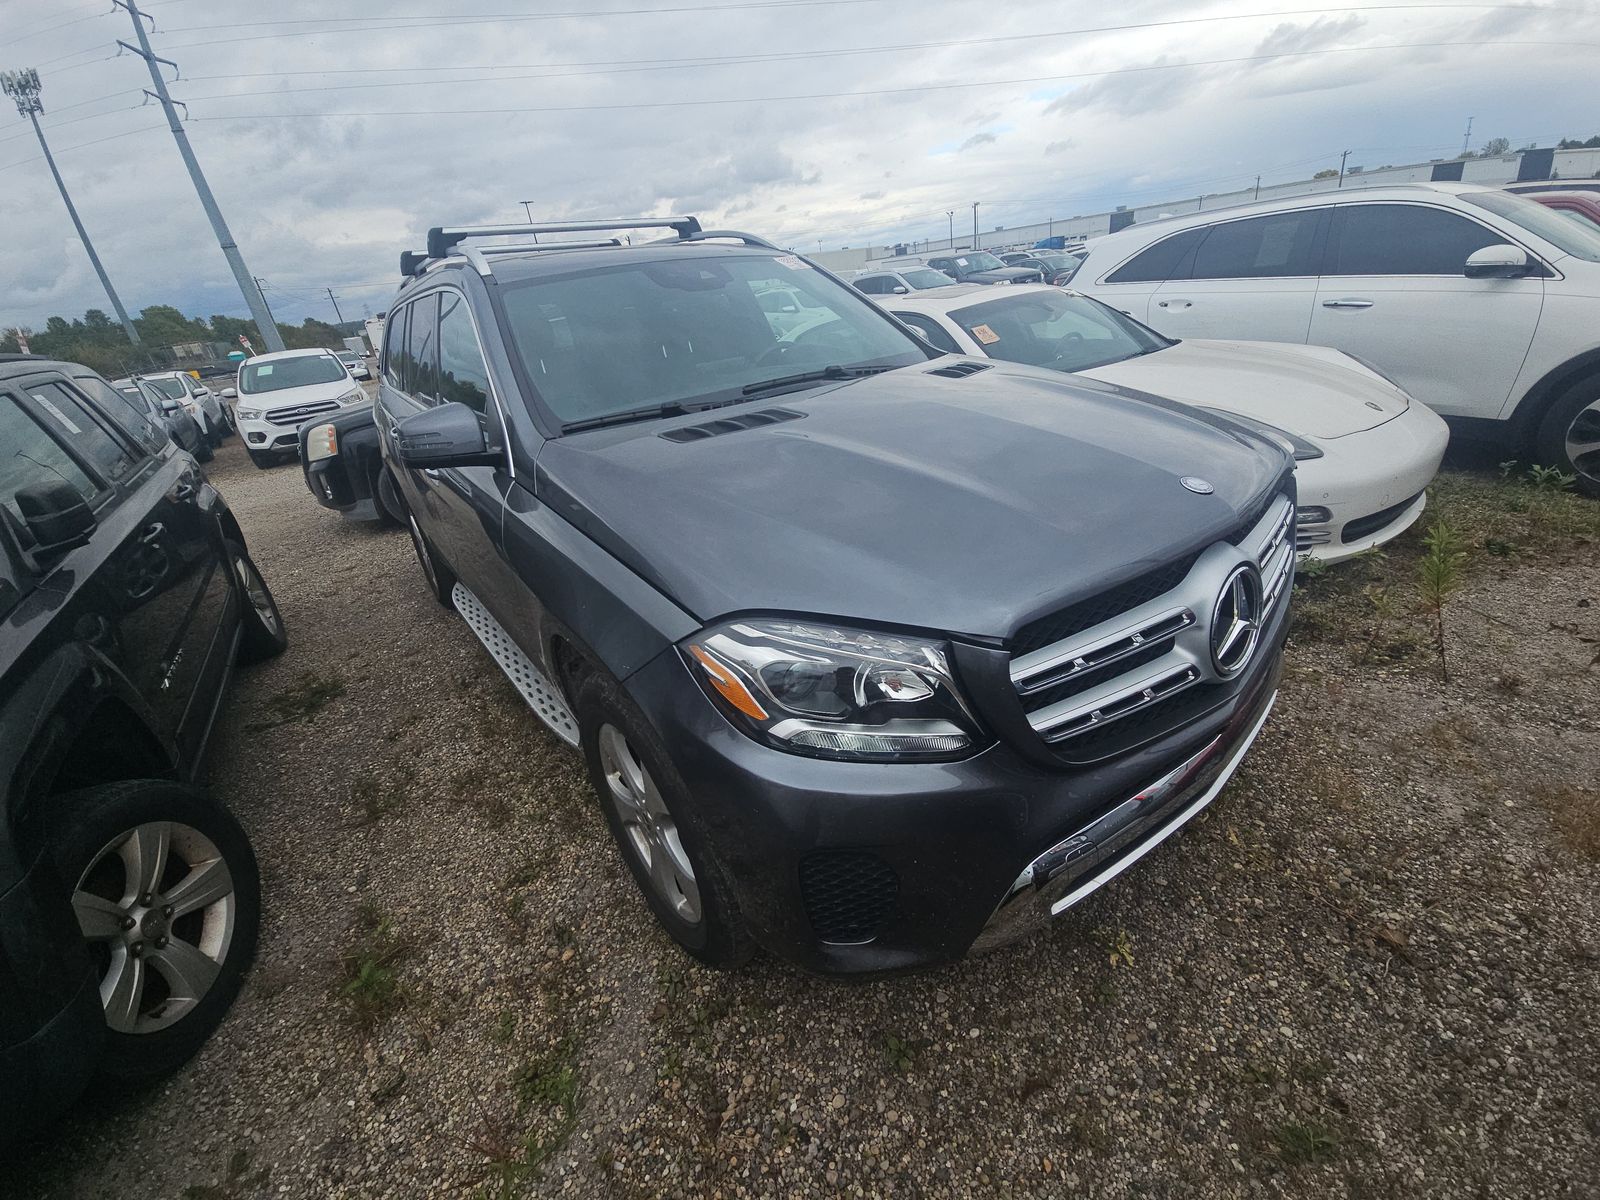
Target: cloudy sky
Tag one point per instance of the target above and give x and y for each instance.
(333, 144)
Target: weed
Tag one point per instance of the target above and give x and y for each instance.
(901, 1053)
(1122, 948)
(1510, 683)
(549, 1083)
(1576, 813)
(1552, 479)
(1440, 574)
(505, 1027)
(300, 701)
(371, 801)
(1311, 569)
(371, 988)
(237, 1180)
(1305, 1143)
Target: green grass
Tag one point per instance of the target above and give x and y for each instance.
(370, 988)
(301, 700)
(1300, 1143)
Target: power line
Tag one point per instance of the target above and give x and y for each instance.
(22, 162)
(901, 91)
(626, 66)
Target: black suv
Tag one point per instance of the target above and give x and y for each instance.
(979, 266)
(128, 898)
(875, 655)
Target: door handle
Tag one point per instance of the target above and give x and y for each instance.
(1347, 302)
(1174, 304)
(151, 534)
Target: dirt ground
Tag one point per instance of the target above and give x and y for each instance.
(1372, 969)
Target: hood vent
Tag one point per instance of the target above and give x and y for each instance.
(960, 370)
(751, 420)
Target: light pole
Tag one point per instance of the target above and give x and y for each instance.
(525, 208)
(230, 248)
(951, 213)
(975, 243)
(23, 87)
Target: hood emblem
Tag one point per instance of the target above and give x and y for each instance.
(1236, 621)
(1197, 485)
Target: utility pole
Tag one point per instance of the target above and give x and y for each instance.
(271, 320)
(528, 209)
(1466, 138)
(23, 87)
(951, 213)
(1258, 187)
(975, 241)
(1342, 159)
(335, 302)
(230, 249)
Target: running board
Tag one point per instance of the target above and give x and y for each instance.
(543, 698)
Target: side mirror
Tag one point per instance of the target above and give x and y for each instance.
(447, 435)
(57, 517)
(170, 406)
(1497, 262)
(230, 393)
(900, 289)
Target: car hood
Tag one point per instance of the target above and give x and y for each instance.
(967, 505)
(1003, 275)
(1308, 390)
(311, 393)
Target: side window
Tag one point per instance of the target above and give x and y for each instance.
(73, 421)
(463, 375)
(1170, 258)
(1260, 247)
(32, 455)
(124, 410)
(932, 330)
(422, 348)
(394, 348)
(874, 285)
(1403, 239)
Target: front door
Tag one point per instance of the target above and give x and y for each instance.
(1393, 292)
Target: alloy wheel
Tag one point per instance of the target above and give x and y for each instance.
(256, 591)
(650, 832)
(1582, 441)
(420, 545)
(158, 907)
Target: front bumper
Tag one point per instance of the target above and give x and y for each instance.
(1371, 484)
(946, 851)
(263, 436)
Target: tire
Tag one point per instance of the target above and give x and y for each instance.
(262, 635)
(202, 450)
(688, 891)
(263, 461)
(391, 508)
(96, 836)
(440, 579)
(1574, 420)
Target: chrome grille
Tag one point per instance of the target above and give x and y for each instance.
(1163, 644)
(298, 414)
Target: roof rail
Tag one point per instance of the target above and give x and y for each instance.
(441, 240)
(749, 239)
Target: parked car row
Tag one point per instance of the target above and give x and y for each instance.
(129, 898)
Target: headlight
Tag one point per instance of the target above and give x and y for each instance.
(353, 396)
(835, 692)
(322, 442)
(1292, 442)
(247, 414)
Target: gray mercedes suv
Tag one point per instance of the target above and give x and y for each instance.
(876, 656)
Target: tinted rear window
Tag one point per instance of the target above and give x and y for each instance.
(1170, 258)
(1274, 246)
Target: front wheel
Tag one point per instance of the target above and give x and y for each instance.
(653, 819)
(261, 632)
(1569, 435)
(441, 581)
(167, 896)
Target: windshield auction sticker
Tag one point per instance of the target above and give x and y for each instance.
(985, 335)
(793, 261)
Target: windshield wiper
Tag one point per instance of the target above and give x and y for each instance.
(821, 375)
(670, 409)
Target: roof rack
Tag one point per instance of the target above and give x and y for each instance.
(442, 240)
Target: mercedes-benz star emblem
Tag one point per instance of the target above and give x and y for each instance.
(1236, 621)
(1197, 485)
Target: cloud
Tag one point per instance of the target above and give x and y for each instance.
(870, 196)
(1320, 34)
(1060, 147)
(976, 140)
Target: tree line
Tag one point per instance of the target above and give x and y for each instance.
(97, 341)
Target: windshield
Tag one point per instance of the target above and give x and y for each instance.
(925, 277)
(281, 373)
(689, 331)
(1575, 239)
(980, 260)
(345, 356)
(1057, 330)
(170, 388)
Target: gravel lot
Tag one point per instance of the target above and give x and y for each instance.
(1372, 969)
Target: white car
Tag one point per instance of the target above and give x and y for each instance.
(1483, 304)
(1364, 450)
(354, 363)
(279, 392)
(899, 280)
(197, 400)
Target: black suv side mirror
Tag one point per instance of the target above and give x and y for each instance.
(57, 517)
(447, 435)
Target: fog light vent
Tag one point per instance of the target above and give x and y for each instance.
(1312, 514)
(847, 894)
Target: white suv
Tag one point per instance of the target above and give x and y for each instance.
(1482, 304)
(280, 392)
(900, 280)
